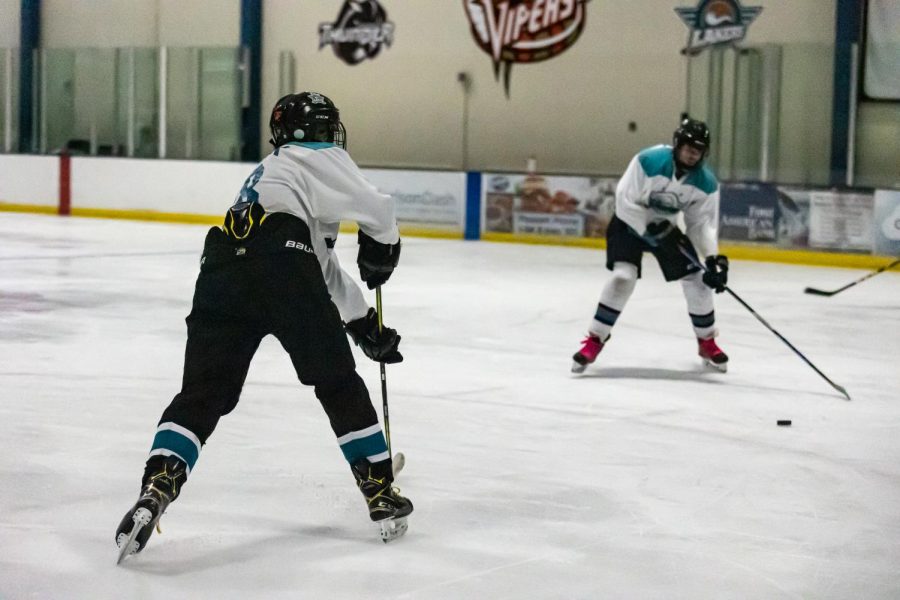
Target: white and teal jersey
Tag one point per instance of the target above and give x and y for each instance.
(319, 183)
(649, 192)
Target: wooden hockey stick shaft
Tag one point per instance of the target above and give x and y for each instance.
(384, 397)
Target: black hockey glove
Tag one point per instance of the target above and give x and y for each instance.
(376, 260)
(380, 346)
(666, 237)
(716, 274)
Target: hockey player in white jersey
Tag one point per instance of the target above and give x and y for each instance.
(660, 183)
(271, 269)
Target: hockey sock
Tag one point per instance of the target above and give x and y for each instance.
(615, 295)
(366, 443)
(174, 440)
(700, 305)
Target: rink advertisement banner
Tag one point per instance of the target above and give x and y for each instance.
(535, 204)
(793, 217)
(429, 199)
(748, 212)
(887, 222)
(841, 221)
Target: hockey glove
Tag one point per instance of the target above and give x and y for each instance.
(376, 260)
(380, 346)
(716, 273)
(666, 237)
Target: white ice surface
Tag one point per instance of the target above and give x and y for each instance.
(646, 478)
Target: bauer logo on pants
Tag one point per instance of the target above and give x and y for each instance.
(359, 32)
(716, 23)
(524, 31)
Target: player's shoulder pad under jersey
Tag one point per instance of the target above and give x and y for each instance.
(657, 160)
(703, 179)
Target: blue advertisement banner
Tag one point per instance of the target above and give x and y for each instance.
(748, 212)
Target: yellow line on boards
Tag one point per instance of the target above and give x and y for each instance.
(146, 215)
(734, 251)
(28, 208)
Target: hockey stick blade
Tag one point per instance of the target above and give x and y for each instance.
(882, 269)
(816, 292)
(398, 462)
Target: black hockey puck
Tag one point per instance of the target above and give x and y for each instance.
(784, 423)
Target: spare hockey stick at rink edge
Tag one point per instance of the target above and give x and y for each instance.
(399, 460)
(690, 256)
(810, 290)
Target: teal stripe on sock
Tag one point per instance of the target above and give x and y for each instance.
(356, 450)
(177, 443)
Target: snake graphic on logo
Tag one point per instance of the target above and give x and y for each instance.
(359, 31)
(524, 31)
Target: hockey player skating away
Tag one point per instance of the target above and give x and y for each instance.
(271, 270)
(661, 182)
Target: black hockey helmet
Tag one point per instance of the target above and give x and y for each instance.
(694, 133)
(306, 117)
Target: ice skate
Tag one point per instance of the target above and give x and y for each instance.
(712, 355)
(590, 348)
(159, 490)
(387, 507)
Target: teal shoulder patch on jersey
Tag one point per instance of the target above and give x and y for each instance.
(312, 145)
(704, 180)
(657, 160)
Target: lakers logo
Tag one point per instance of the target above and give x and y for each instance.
(524, 31)
(716, 23)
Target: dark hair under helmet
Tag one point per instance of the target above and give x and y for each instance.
(306, 117)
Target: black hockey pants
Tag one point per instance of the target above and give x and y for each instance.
(269, 284)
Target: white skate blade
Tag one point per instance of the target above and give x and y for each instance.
(398, 462)
(578, 367)
(393, 528)
(720, 368)
(129, 545)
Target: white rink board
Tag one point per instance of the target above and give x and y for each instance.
(28, 179)
(647, 478)
(193, 187)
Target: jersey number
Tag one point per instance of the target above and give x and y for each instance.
(248, 194)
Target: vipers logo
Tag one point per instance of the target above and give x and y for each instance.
(524, 31)
(716, 23)
(359, 32)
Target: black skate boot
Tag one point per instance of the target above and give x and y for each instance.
(386, 506)
(163, 478)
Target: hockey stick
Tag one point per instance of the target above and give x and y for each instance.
(810, 290)
(399, 460)
(691, 257)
